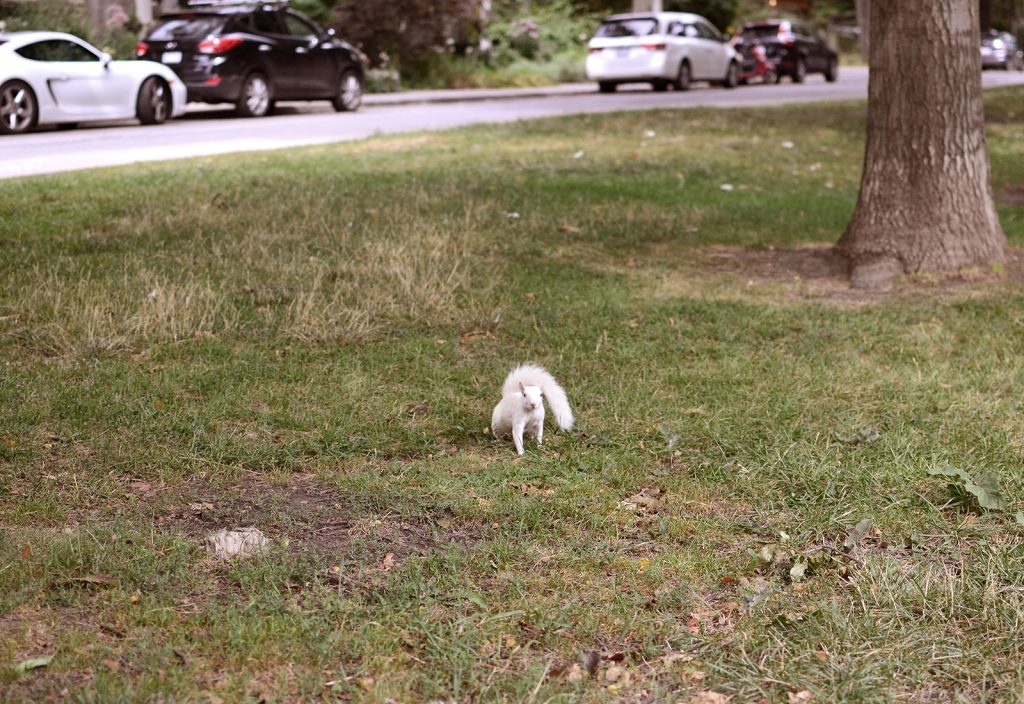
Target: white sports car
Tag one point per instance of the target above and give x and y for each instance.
(54, 78)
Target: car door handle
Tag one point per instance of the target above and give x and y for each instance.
(62, 77)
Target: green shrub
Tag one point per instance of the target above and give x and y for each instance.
(550, 30)
(118, 39)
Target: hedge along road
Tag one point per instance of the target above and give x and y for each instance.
(209, 130)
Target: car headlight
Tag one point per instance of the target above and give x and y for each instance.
(998, 44)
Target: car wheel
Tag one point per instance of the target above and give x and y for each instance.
(18, 108)
(659, 86)
(732, 76)
(799, 71)
(350, 92)
(606, 86)
(684, 76)
(153, 105)
(832, 72)
(770, 77)
(255, 100)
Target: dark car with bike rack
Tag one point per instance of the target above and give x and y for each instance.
(253, 54)
(792, 47)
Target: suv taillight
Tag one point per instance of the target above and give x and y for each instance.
(140, 49)
(219, 45)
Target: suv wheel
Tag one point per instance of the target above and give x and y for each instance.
(350, 92)
(832, 72)
(153, 106)
(799, 71)
(255, 99)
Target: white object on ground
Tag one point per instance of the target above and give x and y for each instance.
(243, 542)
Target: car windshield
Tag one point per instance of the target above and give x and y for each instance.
(637, 27)
(760, 31)
(187, 27)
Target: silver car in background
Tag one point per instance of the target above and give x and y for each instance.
(660, 48)
(1000, 50)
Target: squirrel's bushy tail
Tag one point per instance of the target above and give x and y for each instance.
(533, 375)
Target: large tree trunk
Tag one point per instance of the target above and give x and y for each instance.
(864, 25)
(925, 197)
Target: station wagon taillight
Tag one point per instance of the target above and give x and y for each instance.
(219, 45)
(654, 47)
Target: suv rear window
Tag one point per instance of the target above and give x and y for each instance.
(639, 27)
(760, 31)
(187, 28)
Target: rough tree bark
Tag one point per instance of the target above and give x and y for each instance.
(925, 200)
(864, 38)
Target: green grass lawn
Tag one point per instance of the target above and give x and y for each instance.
(311, 342)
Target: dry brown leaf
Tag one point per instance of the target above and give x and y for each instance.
(709, 697)
(575, 673)
(614, 673)
(100, 580)
(389, 562)
(366, 683)
(801, 697)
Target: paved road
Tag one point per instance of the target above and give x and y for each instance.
(209, 130)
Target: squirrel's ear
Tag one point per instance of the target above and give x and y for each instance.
(522, 389)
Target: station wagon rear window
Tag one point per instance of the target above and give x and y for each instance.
(187, 28)
(636, 27)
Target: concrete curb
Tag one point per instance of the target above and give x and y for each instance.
(413, 97)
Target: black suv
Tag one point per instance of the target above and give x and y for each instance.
(792, 46)
(252, 54)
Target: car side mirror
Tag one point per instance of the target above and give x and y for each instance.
(105, 59)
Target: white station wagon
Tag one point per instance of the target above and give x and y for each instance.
(661, 48)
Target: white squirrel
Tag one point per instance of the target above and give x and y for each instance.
(521, 409)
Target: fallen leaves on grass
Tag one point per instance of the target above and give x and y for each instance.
(32, 664)
(646, 500)
(801, 697)
(984, 488)
(709, 697)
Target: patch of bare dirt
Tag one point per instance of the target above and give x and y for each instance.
(816, 272)
(315, 519)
